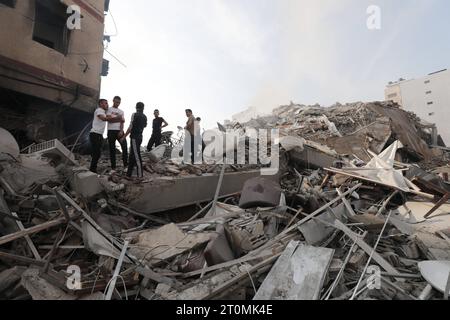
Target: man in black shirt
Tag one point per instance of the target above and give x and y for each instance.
(138, 124)
(158, 124)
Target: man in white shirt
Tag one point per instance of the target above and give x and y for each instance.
(98, 129)
(116, 132)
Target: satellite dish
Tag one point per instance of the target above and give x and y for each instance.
(8, 144)
(436, 273)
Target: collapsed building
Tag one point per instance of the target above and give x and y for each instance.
(49, 74)
(358, 210)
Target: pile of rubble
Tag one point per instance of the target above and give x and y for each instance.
(359, 210)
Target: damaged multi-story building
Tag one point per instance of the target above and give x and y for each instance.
(50, 74)
(428, 97)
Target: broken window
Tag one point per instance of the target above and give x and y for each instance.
(8, 3)
(50, 25)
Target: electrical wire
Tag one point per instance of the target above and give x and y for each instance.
(117, 59)
(115, 25)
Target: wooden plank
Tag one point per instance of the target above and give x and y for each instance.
(438, 205)
(32, 230)
(27, 238)
(368, 249)
(298, 274)
(20, 260)
(347, 204)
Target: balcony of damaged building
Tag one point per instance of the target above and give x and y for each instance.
(195, 232)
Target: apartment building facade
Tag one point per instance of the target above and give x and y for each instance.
(48, 70)
(428, 97)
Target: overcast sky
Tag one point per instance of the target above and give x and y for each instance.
(219, 57)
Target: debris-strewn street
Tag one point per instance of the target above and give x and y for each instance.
(358, 210)
(250, 151)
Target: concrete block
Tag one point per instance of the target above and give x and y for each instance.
(218, 250)
(158, 153)
(260, 192)
(87, 184)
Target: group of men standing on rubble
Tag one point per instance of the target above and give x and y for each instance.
(114, 117)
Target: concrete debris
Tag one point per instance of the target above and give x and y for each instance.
(360, 188)
(260, 192)
(86, 183)
(299, 274)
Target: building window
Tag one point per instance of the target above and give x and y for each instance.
(428, 92)
(393, 95)
(9, 3)
(430, 103)
(50, 25)
(427, 82)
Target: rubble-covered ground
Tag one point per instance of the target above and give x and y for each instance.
(359, 210)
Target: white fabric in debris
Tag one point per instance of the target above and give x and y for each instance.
(381, 168)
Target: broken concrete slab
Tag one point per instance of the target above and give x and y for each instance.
(410, 218)
(10, 277)
(433, 247)
(315, 232)
(86, 183)
(313, 158)
(158, 153)
(29, 171)
(97, 243)
(298, 274)
(41, 289)
(156, 246)
(169, 193)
